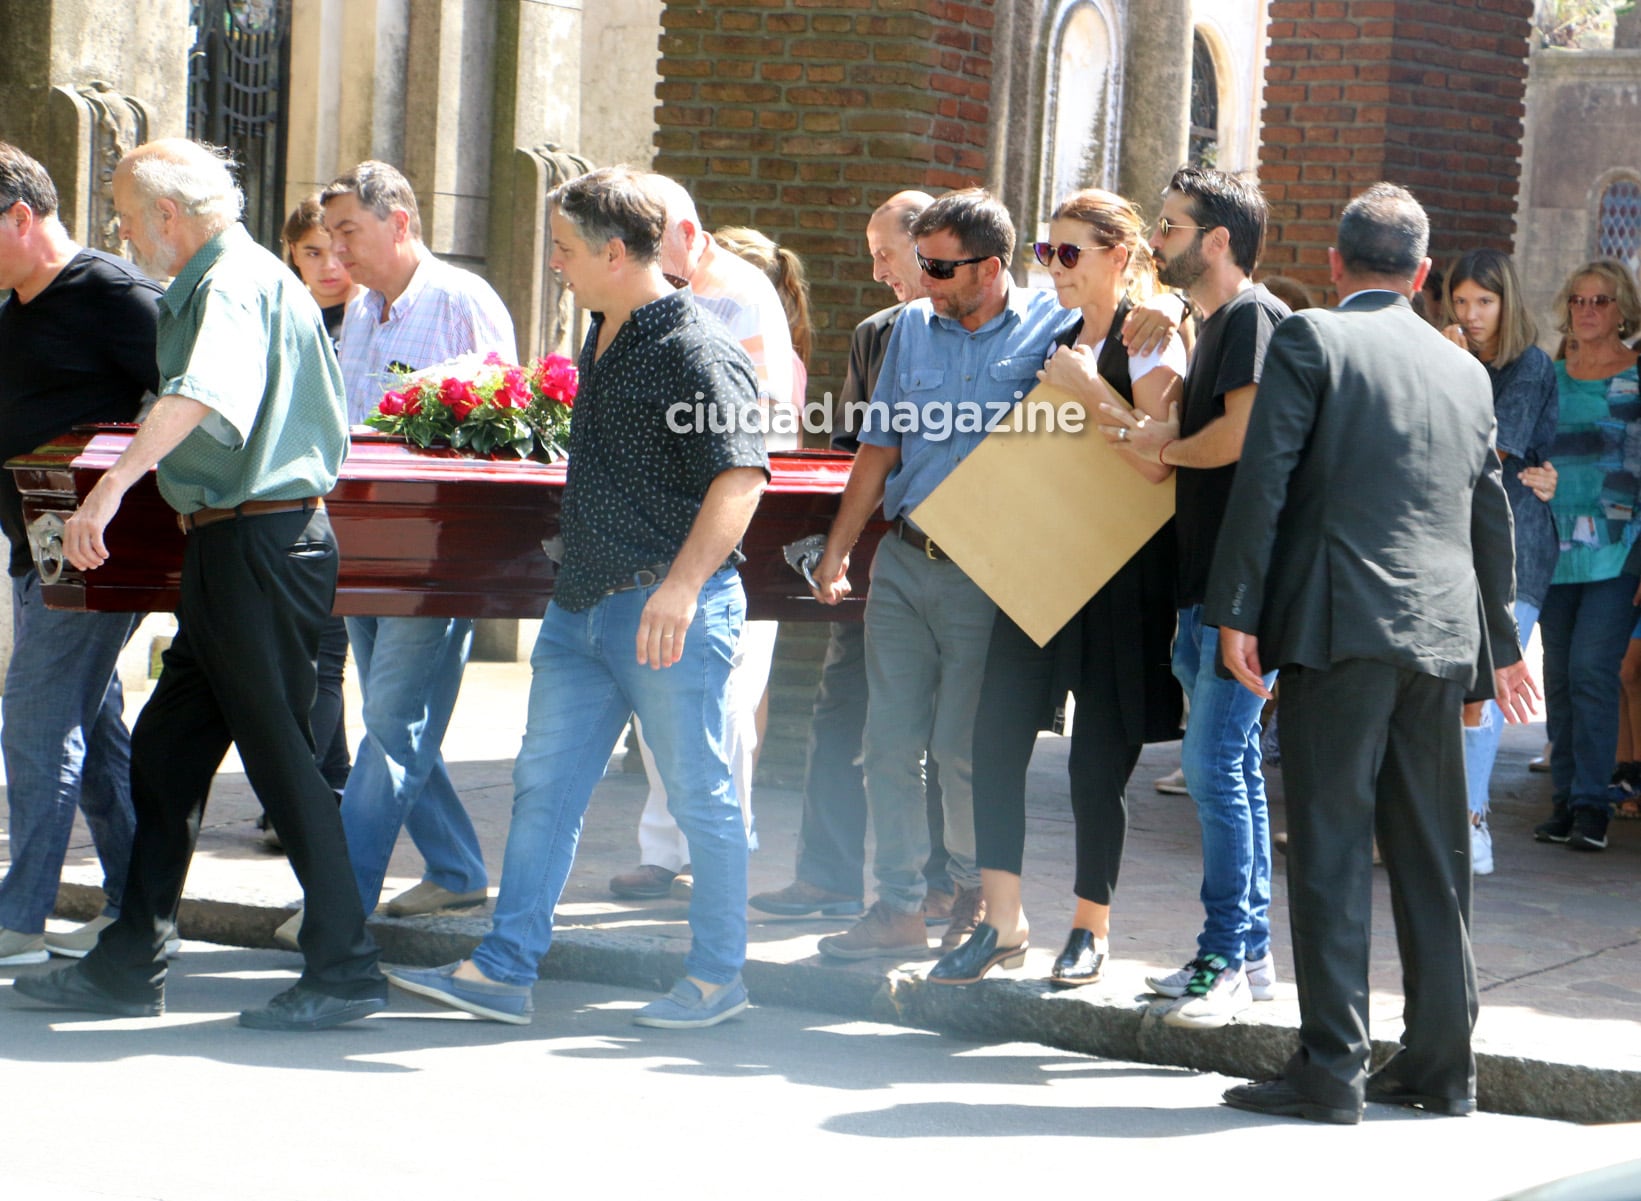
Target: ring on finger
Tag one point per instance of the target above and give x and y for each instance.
(1122, 434)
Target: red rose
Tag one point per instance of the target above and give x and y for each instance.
(393, 405)
(514, 390)
(413, 403)
(457, 396)
(559, 379)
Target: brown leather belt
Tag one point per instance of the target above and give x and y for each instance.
(251, 508)
(920, 540)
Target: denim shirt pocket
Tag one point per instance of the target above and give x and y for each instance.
(1017, 374)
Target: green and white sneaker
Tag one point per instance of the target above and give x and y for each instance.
(1215, 995)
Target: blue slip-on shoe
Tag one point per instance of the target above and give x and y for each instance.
(486, 999)
(685, 1009)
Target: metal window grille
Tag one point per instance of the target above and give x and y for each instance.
(237, 73)
(1204, 146)
(1618, 227)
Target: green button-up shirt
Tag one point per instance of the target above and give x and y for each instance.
(239, 333)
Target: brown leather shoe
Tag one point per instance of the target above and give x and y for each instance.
(801, 898)
(883, 931)
(968, 911)
(645, 882)
(937, 907)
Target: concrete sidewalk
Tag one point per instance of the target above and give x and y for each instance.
(1557, 933)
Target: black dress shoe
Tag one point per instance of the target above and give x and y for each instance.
(1382, 1090)
(1080, 963)
(301, 1008)
(72, 988)
(1280, 1099)
(975, 958)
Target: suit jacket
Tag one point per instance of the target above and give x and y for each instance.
(1368, 520)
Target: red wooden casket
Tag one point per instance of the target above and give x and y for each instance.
(422, 532)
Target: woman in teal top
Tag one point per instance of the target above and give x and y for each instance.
(1590, 608)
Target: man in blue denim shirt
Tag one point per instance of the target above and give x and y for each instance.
(956, 361)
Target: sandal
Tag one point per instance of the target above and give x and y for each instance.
(1628, 810)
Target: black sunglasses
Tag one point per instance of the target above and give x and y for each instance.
(946, 268)
(1067, 253)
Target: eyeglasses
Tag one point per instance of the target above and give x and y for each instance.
(1068, 254)
(1590, 302)
(1166, 227)
(946, 268)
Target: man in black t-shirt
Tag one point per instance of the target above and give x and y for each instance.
(76, 345)
(1207, 242)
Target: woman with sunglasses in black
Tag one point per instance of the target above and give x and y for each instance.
(1113, 656)
(1589, 608)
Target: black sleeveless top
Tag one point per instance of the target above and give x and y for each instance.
(1124, 635)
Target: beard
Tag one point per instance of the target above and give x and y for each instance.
(1185, 268)
(161, 262)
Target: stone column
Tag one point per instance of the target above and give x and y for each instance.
(1156, 98)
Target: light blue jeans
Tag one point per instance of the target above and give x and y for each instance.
(585, 683)
(410, 670)
(928, 627)
(1221, 758)
(1481, 743)
(66, 747)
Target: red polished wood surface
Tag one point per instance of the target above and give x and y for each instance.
(423, 532)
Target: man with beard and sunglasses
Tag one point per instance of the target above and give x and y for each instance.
(1207, 242)
(973, 346)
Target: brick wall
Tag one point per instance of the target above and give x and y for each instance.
(799, 117)
(1424, 93)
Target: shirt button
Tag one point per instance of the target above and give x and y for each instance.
(968, 377)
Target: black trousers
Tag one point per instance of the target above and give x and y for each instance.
(329, 711)
(1016, 698)
(256, 592)
(832, 831)
(1371, 748)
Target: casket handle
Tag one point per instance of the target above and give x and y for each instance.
(45, 540)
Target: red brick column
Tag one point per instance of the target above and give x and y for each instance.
(799, 117)
(1424, 93)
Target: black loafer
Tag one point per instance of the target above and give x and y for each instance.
(969, 962)
(1080, 963)
(1280, 1099)
(72, 988)
(1383, 1090)
(301, 1008)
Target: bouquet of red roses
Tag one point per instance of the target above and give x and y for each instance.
(484, 406)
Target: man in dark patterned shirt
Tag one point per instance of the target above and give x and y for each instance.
(666, 467)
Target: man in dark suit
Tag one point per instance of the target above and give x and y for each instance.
(1366, 551)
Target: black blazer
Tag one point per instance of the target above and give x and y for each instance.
(1368, 520)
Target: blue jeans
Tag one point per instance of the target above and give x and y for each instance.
(66, 747)
(410, 670)
(1220, 755)
(1481, 743)
(585, 682)
(1586, 630)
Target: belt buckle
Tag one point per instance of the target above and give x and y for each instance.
(643, 577)
(929, 549)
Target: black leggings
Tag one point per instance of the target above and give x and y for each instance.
(1015, 697)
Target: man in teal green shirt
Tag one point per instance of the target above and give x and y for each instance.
(248, 435)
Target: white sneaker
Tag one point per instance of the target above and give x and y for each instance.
(77, 943)
(17, 948)
(285, 933)
(1214, 997)
(1173, 984)
(1261, 975)
(1173, 783)
(1481, 848)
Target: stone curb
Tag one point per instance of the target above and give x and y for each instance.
(995, 1011)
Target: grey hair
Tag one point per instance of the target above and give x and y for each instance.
(1384, 231)
(612, 203)
(380, 188)
(197, 178)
